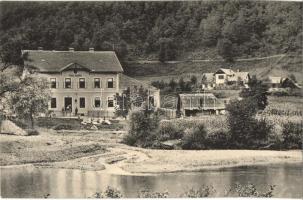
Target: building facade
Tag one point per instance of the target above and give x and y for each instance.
(81, 82)
(223, 77)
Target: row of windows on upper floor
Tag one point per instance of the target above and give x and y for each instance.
(81, 83)
(96, 102)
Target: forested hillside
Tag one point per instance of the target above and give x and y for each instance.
(156, 30)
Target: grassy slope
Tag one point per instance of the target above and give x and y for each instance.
(277, 66)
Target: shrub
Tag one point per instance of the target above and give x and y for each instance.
(63, 127)
(249, 190)
(130, 140)
(143, 126)
(204, 191)
(109, 193)
(32, 132)
(149, 194)
(218, 140)
(194, 138)
(112, 193)
(170, 131)
(292, 135)
(261, 129)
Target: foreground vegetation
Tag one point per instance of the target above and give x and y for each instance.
(236, 190)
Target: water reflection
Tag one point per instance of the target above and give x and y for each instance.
(64, 183)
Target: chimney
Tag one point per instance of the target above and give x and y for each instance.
(238, 70)
(71, 49)
(40, 48)
(91, 49)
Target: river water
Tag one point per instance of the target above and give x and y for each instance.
(63, 183)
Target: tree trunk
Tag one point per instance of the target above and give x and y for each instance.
(32, 121)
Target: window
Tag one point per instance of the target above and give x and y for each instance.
(68, 83)
(110, 83)
(82, 102)
(53, 103)
(97, 83)
(221, 76)
(53, 83)
(81, 82)
(97, 102)
(110, 102)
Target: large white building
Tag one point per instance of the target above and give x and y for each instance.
(83, 82)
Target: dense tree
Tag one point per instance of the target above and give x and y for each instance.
(31, 99)
(226, 49)
(246, 131)
(257, 91)
(163, 30)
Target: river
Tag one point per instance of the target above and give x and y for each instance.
(65, 183)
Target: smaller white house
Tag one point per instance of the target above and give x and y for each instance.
(224, 77)
(227, 76)
(276, 82)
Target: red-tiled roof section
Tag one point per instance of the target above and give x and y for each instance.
(55, 61)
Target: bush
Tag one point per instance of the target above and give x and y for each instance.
(204, 191)
(109, 193)
(32, 132)
(170, 131)
(218, 140)
(130, 140)
(261, 129)
(194, 138)
(292, 135)
(143, 126)
(63, 127)
(249, 190)
(149, 194)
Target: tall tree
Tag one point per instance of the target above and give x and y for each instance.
(31, 99)
(257, 92)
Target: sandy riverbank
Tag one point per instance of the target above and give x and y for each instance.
(102, 151)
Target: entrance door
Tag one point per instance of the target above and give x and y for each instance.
(68, 104)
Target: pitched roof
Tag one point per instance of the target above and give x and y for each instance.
(204, 101)
(226, 71)
(56, 61)
(208, 95)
